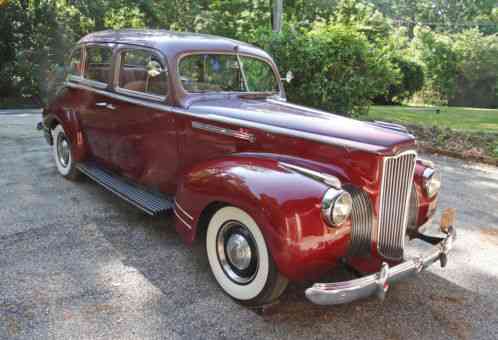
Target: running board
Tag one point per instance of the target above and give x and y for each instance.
(150, 203)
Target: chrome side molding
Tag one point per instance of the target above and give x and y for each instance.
(330, 180)
(224, 131)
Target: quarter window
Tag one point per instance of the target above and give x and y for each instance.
(141, 71)
(75, 66)
(98, 63)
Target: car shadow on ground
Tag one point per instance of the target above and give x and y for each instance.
(427, 303)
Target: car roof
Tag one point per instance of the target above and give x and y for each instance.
(173, 43)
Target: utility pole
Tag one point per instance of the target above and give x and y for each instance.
(277, 13)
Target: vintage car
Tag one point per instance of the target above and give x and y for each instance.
(199, 126)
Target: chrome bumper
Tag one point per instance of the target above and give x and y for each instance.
(378, 283)
(46, 132)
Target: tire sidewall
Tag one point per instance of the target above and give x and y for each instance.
(65, 171)
(241, 292)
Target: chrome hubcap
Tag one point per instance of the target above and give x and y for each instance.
(237, 252)
(63, 151)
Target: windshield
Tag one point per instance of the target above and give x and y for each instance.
(226, 73)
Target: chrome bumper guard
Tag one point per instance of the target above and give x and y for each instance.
(378, 283)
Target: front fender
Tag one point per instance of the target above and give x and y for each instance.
(426, 205)
(285, 204)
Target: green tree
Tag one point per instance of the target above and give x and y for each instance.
(336, 68)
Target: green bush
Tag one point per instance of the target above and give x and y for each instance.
(412, 80)
(336, 68)
(461, 68)
(439, 59)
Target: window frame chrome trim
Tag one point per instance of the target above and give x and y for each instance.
(138, 94)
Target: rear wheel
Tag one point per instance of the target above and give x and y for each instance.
(63, 157)
(240, 260)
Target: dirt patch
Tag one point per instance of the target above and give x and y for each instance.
(482, 147)
(447, 299)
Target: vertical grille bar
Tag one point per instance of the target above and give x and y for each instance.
(397, 178)
(361, 216)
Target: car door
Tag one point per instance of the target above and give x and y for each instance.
(95, 114)
(144, 144)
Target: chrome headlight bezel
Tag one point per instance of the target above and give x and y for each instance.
(336, 207)
(431, 181)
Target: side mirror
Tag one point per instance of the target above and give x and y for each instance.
(154, 68)
(288, 77)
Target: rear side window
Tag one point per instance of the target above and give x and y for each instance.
(75, 66)
(98, 63)
(142, 72)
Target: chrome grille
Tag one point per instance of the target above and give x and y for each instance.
(397, 179)
(361, 218)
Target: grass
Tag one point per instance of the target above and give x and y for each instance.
(464, 119)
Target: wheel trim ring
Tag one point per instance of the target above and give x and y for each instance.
(231, 271)
(63, 151)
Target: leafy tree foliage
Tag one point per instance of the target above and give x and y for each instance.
(391, 42)
(336, 68)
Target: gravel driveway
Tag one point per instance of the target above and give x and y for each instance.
(78, 263)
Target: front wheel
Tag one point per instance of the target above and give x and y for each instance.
(240, 260)
(63, 157)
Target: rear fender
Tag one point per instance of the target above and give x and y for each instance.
(70, 122)
(284, 203)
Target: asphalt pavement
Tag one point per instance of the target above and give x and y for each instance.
(76, 262)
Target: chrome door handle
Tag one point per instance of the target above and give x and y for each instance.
(106, 105)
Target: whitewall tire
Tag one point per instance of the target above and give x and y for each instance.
(61, 150)
(239, 258)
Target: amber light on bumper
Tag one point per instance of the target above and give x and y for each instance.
(336, 206)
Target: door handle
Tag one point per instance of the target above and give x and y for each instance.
(106, 105)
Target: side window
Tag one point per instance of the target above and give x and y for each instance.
(75, 66)
(98, 63)
(141, 71)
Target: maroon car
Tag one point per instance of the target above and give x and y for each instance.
(199, 125)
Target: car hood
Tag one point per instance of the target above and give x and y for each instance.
(285, 118)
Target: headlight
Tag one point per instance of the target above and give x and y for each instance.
(432, 181)
(336, 206)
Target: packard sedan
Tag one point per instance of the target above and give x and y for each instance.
(199, 126)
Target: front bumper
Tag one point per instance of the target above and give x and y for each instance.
(378, 283)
